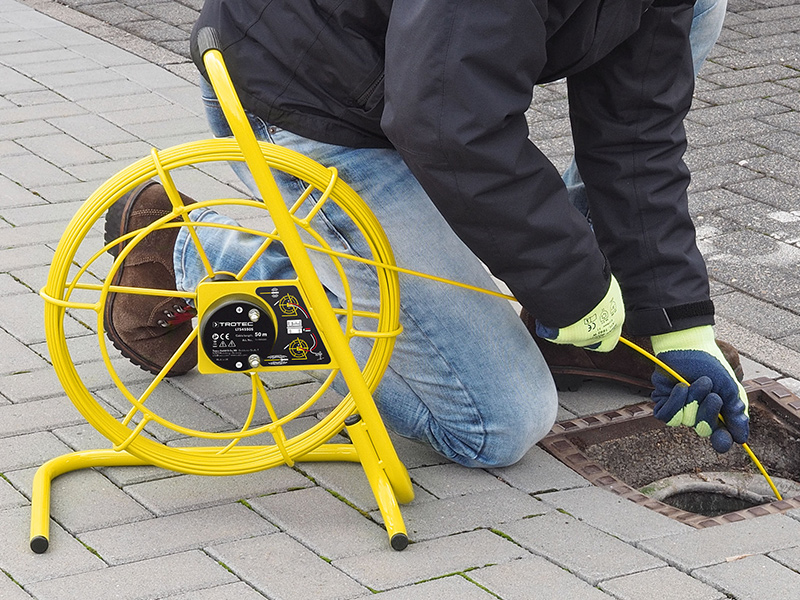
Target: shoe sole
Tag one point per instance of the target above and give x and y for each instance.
(572, 379)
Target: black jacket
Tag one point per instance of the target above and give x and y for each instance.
(448, 82)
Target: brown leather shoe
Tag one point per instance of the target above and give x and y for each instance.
(147, 330)
(572, 366)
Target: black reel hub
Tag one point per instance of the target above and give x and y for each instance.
(237, 334)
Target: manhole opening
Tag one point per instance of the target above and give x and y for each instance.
(675, 472)
(710, 504)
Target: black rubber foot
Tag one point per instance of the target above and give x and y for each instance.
(40, 544)
(399, 541)
(352, 420)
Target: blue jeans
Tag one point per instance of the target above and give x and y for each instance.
(466, 376)
(709, 15)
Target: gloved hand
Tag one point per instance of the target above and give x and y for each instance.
(599, 330)
(714, 390)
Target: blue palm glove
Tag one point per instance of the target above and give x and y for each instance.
(714, 390)
(598, 330)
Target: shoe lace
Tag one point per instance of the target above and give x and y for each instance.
(179, 314)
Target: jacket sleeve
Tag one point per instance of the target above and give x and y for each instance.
(459, 79)
(627, 115)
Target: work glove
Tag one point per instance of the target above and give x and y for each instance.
(599, 330)
(714, 390)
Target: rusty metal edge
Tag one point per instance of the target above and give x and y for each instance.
(774, 395)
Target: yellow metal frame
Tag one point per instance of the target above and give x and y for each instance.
(356, 413)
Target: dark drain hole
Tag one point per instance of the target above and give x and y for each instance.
(710, 504)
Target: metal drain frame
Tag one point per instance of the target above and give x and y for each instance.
(771, 393)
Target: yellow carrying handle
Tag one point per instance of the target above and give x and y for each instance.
(672, 372)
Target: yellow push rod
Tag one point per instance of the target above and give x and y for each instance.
(672, 372)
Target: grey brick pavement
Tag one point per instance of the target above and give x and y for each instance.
(88, 86)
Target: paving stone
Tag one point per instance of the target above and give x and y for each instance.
(62, 150)
(704, 136)
(31, 450)
(84, 500)
(129, 150)
(193, 126)
(10, 590)
(764, 218)
(205, 387)
(78, 190)
(190, 492)
(171, 12)
(604, 396)
(756, 73)
(765, 281)
(38, 415)
(10, 286)
(284, 400)
(453, 587)
(449, 480)
(30, 235)
(731, 152)
(176, 533)
(792, 385)
(23, 316)
(789, 557)
(725, 95)
(13, 82)
(752, 578)
(437, 518)
(152, 76)
(703, 547)
(14, 259)
(36, 98)
(539, 471)
(714, 199)
(769, 320)
(421, 561)
(169, 404)
(44, 383)
(534, 577)
(91, 129)
(10, 497)
(666, 583)
(777, 166)
(12, 131)
(770, 191)
(754, 370)
(12, 194)
(720, 176)
(231, 591)
(349, 481)
(98, 171)
(587, 552)
(617, 516)
(321, 522)
(20, 114)
(32, 171)
(736, 111)
(65, 557)
(280, 567)
(759, 348)
(145, 579)
(114, 13)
